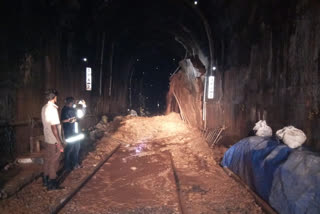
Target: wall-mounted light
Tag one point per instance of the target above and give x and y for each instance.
(214, 68)
(84, 59)
(211, 87)
(195, 2)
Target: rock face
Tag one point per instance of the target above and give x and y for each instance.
(279, 81)
(268, 67)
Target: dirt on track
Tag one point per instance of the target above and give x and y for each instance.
(163, 166)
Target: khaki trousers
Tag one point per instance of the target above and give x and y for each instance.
(51, 161)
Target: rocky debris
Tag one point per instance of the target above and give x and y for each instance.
(97, 132)
(132, 113)
(203, 185)
(35, 199)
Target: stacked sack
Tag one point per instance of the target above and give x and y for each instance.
(291, 136)
(262, 129)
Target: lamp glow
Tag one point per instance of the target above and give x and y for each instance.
(80, 113)
(83, 103)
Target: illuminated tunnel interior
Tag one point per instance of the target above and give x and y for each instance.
(179, 81)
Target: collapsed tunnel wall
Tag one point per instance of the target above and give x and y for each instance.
(186, 91)
(270, 69)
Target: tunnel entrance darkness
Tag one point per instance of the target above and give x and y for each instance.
(149, 80)
(150, 39)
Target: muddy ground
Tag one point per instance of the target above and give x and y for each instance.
(162, 166)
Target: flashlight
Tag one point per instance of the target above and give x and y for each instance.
(80, 113)
(80, 108)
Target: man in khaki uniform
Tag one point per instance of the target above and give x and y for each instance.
(51, 126)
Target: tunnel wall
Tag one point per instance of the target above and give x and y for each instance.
(43, 49)
(269, 68)
(23, 101)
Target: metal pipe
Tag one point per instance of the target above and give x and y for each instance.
(111, 63)
(130, 88)
(101, 63)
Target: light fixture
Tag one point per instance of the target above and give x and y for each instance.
(214, 68)
(195, 2)
(84, 59)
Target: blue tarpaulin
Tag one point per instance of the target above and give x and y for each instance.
(289, 179)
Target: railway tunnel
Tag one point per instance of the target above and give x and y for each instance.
(170, 86)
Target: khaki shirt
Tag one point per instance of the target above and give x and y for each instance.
(50, 116)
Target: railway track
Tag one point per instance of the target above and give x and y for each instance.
(69, 197)
(163, 168)
(143, 178)
(131, 179)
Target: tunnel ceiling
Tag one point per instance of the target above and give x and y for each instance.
(159, 31)
(158, 34)
(139, 20)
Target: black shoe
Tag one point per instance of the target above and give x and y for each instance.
(45, 180)
(54, 185)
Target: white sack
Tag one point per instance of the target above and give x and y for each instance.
(291, 136)
(262, 129)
